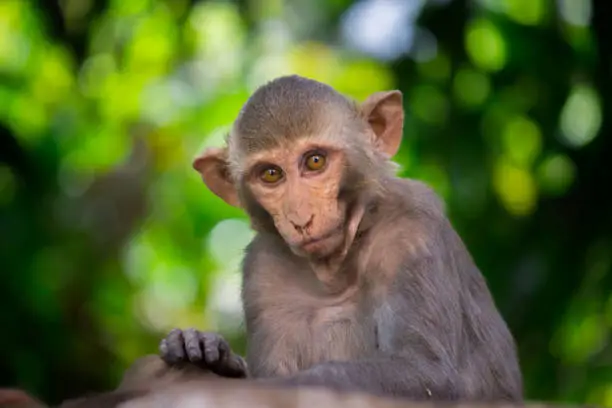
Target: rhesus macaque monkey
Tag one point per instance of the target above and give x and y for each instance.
(356, 279)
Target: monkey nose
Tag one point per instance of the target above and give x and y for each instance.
(301, 226)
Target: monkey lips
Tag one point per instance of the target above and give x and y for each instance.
(322, 245)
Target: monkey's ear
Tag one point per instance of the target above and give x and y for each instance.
(385, 114)
(212, 166)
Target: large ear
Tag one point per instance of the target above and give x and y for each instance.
(385, 114)
(212, 166)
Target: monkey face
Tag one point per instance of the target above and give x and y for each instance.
(298, 186)
(287, 161)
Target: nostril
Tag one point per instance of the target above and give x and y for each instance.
(309, 222)
(301, 227)
(296, 226)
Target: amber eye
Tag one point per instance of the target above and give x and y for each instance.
(315, 162)
(271, 174)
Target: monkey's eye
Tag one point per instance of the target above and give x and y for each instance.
(315, 162)
(271, 174)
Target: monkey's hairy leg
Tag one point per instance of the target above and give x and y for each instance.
(416, 379)
(204, 349)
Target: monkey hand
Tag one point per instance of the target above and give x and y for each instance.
(207, 350)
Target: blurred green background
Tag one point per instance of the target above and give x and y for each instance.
(109, 239)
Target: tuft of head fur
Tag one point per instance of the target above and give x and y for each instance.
(292, 107)
(287, 108)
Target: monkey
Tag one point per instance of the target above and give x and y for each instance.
(355, 279)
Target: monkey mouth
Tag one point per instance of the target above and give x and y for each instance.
(314, 243)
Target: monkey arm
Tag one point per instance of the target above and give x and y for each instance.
(416, 378)
(415, 357)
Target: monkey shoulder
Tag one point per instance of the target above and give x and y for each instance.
(417, 198)
(412, 215)
(409, 240)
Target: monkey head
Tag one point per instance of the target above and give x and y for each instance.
(303, 161)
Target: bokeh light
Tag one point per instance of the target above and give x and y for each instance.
(485, 45)
(581, 116)
(471, 87)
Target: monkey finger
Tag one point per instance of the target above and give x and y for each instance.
(176, 347)
(192, 345)
(210, 344)
(163, 348)
(235, 366)
(224, 349)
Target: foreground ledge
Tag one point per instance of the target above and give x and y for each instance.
(234, 394)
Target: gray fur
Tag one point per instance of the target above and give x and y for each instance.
(415, 318)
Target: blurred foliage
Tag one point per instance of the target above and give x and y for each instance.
(109, 239)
